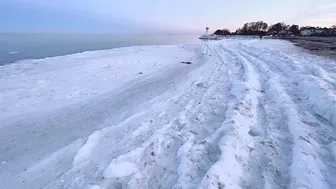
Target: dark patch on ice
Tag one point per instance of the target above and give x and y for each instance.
(253, 132)
(313, 124)
(221, 186)
(200, 85)
(186, 62)
(305, 139)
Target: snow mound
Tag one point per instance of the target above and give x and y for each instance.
(120, 169)
(84, 153)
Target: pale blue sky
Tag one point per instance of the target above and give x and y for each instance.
(155, 16)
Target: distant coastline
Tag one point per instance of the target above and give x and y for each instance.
(280, 29)
(22, 46)
(322, 46)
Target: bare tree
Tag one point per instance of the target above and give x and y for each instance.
(253, 28)
(264, 26)
(276, 28)
(295, 29)
(222, 32)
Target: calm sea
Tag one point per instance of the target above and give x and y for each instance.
(19, 46)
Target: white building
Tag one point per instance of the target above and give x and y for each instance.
(319, 31)
(306, 32)
(282, 32)
(285, 33)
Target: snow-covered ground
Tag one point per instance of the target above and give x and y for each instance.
(244, 114)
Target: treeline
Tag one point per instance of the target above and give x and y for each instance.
(262, 28)
(254, 28)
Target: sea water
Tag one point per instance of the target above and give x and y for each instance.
(20, 46)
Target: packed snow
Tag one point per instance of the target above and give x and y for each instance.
(222, 114)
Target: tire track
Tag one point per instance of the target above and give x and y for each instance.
(321, 130)
(202, 151)
(271, 153)
(236, 144)
(306, 157)
(254, 178)
(318, 120)
(275, 144)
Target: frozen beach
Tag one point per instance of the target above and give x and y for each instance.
(224, 114)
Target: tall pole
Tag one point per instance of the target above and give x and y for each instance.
(207, 31)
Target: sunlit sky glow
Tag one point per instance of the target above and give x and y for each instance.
(157, 16)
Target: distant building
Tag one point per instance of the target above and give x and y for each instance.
(312, 31)
(285, 33)
(319, 31)
(282, 32)
(307, 32)
(326, 32)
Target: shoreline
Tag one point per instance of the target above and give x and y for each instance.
(89, 53)
(321, 46)
(32, 46)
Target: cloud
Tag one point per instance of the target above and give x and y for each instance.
(321, 14)
(173, 15)
(326, 6)
(324, 20)
(103, 12)
(145, 16)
